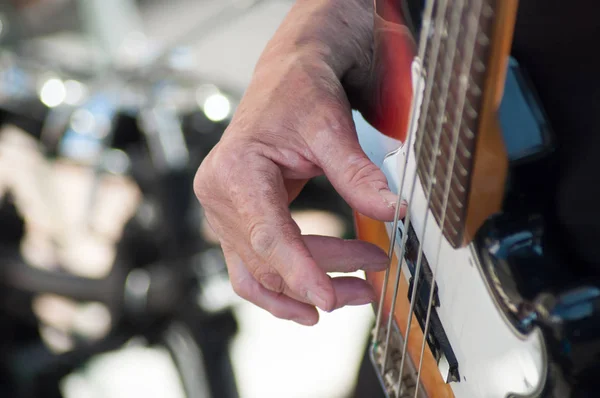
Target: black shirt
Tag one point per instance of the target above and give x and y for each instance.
(557, 43)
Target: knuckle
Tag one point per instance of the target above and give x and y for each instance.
(271, 281)
(262, 240)
(203, 179)
(216, 171)
(255, 174)
(295, 282)
(200, 186)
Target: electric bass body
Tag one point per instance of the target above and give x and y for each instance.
(462, 138)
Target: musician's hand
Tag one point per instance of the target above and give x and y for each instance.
(293, 124)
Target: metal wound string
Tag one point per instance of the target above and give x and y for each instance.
(463, 80)
(412, 121)
(424, 109)
(431, 70)
(441, 102)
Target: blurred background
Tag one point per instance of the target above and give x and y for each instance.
(112, 284)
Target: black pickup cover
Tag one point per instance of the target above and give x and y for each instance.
(436, 337)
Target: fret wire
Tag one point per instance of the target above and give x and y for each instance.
(456, 200)
(450, 211)
(425, 29)
(416, 277)
(426, 137)
(455, 182)
(463, 149)
(454, 230)
(455, 205)
(446, 152)
(446, 143)
(428, 144)
(438, 198)
(427, 151)
(458, 184)
(462, 169)
(453, 214)
(469, 134)
(470, 110)
(437, 204)
(456, 136)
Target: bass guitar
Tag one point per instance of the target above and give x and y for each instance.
(479, 300)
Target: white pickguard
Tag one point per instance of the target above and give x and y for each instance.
(494, 362)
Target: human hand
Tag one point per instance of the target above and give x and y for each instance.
(294, 123)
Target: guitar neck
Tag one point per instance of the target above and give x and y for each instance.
(460, 153)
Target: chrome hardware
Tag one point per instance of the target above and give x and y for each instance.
(389, 378)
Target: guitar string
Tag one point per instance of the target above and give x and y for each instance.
(412, 120)
(425, 107)
(432, 182)
(407, 145)
(458, 112)
(440, 13)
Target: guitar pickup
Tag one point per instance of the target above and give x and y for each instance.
(436, 337)
(410, 253)
(425, 282)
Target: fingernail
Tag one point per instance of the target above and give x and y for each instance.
(317, 300)
(361, 301)
(376, 265)
(303, 321)
(389, 197)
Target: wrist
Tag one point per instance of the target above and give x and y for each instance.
(336, 32)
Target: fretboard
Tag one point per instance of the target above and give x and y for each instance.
(459, 71)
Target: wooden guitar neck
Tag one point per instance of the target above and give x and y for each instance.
(467, 106)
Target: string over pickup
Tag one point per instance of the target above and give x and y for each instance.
(389, 377)
(436, 337)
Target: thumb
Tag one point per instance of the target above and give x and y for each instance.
(358, 180)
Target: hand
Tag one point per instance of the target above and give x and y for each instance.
(294, 123)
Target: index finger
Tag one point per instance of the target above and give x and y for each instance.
(274, 249)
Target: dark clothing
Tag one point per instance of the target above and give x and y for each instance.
(557, 43)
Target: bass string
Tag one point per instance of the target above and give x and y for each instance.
(419, 86)
(458, 112)
(431, 182)
(424, 108)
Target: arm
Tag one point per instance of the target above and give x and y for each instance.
(337, 34)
